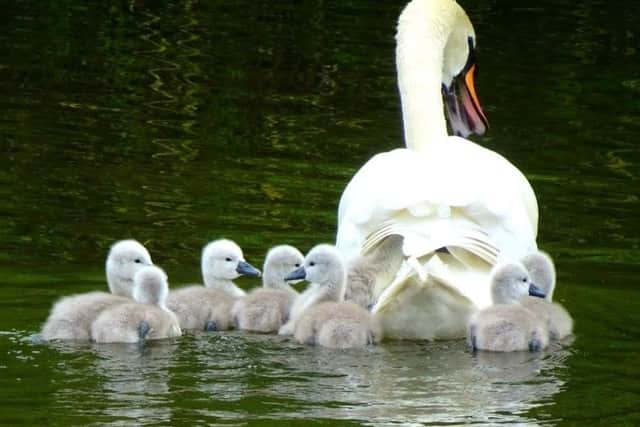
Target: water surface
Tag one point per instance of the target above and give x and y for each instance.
(183, 122)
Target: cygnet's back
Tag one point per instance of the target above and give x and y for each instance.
(209, 307)
(506, 325)
(542, 271)
(338, 325)
(145, 319)
(267, 308)
(71, 317)
(328, 320)
(367, 275)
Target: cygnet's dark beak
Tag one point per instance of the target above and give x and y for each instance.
(247, 269)
(296, 274)
(535, 291)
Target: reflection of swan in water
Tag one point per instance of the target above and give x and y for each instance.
(405, 382)
(224, 374)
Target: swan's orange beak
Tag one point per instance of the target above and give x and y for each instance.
(463, 106)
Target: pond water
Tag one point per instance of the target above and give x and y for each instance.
(183, 122)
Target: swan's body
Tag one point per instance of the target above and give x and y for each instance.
(145, 319)
(507, 325)
(324, 318)
(459, 207)
(543, 273)
(71, 316)
(209, 307)
(267, 308)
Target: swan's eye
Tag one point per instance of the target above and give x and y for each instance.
(228, 259)
(524, 279)
(311, 264)
(297, 264)
(137, 260)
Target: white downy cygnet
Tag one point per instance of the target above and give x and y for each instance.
(71, 316)
(543, 273)
(367, 275)
(320, 315)
(267, 308)
(507, 325)
(209, 307)
(145, 319)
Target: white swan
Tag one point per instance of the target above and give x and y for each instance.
(209, 307)
(507, 325)
(71, 316)
(460, 207)
(267, 308)
(145, 319)
(543, 272)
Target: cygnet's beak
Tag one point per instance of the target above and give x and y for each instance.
(247, 269)
(535, 291)
(297, 274)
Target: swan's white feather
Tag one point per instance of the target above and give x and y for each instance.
(440, 192)
(461, 196)
(458, 182)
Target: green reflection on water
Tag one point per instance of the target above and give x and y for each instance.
(181, 122)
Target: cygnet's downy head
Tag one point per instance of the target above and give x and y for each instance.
(150, 286)
(280, 261)
(223, 260)
(125, 259)
(542, 271)
(510, 282)
(323, 264)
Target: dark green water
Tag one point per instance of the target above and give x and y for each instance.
(181, 123)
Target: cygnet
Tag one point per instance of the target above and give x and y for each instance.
(542, 271)
(209, 307)
(368, 275)
(507, 325)
(71, 316)
(320, 315)
(267, 308)
(145, 319)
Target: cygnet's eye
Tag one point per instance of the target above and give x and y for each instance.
(297, 264)
(524, 279)
(311, 264)
(228, 259)
(137, 260)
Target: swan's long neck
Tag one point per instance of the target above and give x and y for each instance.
(423, 30)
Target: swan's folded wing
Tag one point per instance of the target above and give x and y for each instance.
(402, 188)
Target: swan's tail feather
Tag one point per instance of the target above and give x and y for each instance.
(394, 289)
(470, 254)
(452, 279)
(419, 240)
